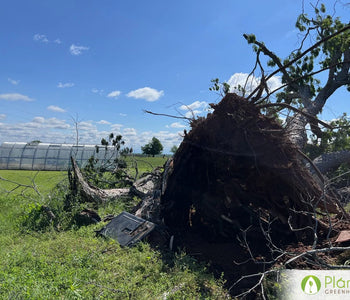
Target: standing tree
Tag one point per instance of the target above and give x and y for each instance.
(301, 88)
(153, 148)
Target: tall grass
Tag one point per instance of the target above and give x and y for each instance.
(75, 264)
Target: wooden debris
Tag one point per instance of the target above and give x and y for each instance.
(95, 194)
(344, 236)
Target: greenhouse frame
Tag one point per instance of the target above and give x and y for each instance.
(51, 157)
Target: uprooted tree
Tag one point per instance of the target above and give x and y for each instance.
(240, 191)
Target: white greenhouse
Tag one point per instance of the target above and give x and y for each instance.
(51, 157)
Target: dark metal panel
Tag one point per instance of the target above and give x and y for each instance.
(127, 229)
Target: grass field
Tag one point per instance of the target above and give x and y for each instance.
(144, 163)
(44, 181)
(74, 264)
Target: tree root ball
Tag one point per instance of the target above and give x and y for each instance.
(238, 179)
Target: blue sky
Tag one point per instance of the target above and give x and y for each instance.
(102, 63)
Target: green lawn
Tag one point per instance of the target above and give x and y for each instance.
(144, 163)
(45, 182)
(75, 264)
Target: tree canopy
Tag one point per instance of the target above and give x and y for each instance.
(329, 52)
(153, 148)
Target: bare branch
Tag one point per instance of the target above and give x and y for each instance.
(166, 115)
(316, 251)
(259, 282)
(20, 185)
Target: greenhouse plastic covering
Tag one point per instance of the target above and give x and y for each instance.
(55, 157)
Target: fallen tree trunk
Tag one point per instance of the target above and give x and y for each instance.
(147, 188)
(331, 161)
(95, 194)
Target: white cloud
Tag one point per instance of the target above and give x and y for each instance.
(40, 38)
(54, 130)
(51, 130)
(103, 122)
(146, 93)
(122, 115)
(57, 123)
(114, 94)
(116, 127)
(129, 132)
(194, 109)
(86, 125)
(195, 105)
(43, 39)
(97, 91)
(168, 139)
(56, 108)
(77, 50)
(135, 138)
(274, 83)
(2, 116)
(12, 81)
(193, 113)
(65, 85)
(250, 83)
(15, 97)
(177, 125)
(52, 123)
(40, 120)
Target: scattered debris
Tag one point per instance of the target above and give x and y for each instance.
(89, 216)
(48, 212)
(344, 236)
(127, 229)
(237, 194)
(108, 217)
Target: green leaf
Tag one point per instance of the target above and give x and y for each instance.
(250, 38)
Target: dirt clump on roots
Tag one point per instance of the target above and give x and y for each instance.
(238, 188)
